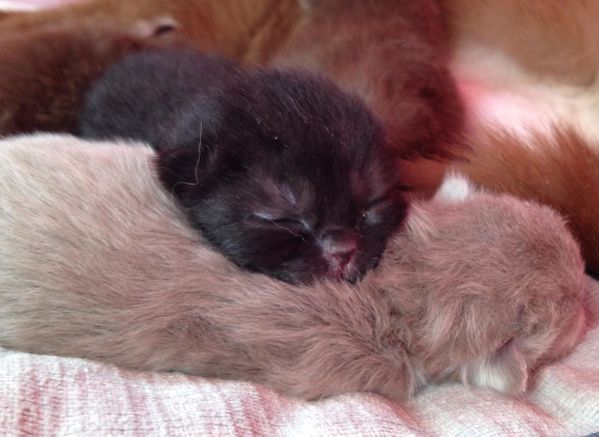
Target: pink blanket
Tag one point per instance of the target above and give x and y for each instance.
(46, 395)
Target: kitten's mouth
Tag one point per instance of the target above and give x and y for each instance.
(352, 273)
(348, 272)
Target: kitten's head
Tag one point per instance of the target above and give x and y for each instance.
(297, 182)
(493, 286)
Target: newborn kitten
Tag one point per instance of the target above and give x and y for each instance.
(45, 72)
(391, 53)
(281, 171)
(99, 263)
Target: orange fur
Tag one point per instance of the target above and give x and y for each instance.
(549, 39)
(390, 53)
(559, 169)
(44, 72)
(234, 28)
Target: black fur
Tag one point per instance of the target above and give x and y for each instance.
(279, 170)
(159, 97)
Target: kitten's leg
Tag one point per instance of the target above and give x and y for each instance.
(506, 371)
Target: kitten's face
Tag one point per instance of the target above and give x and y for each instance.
(299, 186)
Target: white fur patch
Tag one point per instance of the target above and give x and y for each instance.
(455, 188)
(506, 372)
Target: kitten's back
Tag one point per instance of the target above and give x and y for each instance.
(167, 98)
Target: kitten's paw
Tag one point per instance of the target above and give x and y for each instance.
(155, 27)
(505, 372)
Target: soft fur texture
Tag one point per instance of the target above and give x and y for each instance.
(393, 54)
(96, 261)
(526, 40)
(529, 78)
(239, 29)
(45, 72)
(280, 170)
(552, 165)
(168, 99)
(538, 49)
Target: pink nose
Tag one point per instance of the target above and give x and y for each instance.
(339, 248)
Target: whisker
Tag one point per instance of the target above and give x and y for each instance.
(197, 166)
(285, 228)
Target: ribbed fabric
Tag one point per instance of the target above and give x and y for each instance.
(46, 395)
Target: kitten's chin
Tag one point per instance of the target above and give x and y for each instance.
(305, 273)
(306, 278)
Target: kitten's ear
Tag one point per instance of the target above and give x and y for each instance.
(506, 371)
(155, 27)
(182, 169)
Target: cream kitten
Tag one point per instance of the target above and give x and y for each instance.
(97, 261)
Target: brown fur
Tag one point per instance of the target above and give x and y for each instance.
(548, 39)
(233, 28)
(558, 169)
(391, 53)
(97, 261)
(44, 73)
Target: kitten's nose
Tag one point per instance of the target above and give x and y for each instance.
(339, 247)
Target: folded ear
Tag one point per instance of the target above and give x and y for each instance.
(182, 169)
(506, 371)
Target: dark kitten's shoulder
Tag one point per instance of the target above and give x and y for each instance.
(167, 98)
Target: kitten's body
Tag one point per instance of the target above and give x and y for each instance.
(239, 29)
(168, 99)
(280, 170)
(44, 73)
(96, 261)
(391, 53)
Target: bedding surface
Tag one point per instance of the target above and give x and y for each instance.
(46, 395)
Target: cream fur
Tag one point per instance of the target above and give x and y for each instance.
(97, 261)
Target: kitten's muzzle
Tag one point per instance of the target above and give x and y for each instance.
(339, 248)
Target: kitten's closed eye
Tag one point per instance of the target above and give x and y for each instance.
(377, 208)
(292, 224)
(287, 158)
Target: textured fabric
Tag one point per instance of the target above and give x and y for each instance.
(44, 395)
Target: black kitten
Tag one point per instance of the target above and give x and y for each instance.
(280, 170)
